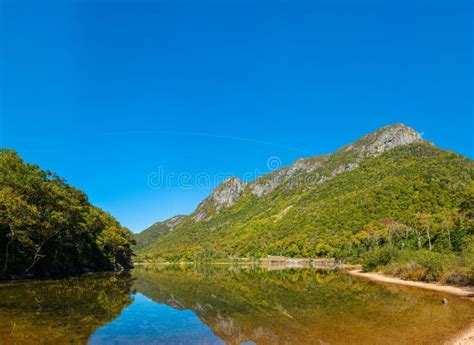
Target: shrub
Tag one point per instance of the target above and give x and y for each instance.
(433, 264)
(461, 278)
(379, 257)
(424, 265)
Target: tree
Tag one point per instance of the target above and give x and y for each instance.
(48, 227)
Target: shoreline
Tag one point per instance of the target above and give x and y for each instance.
(466, 292)
(466, 337)
(263, 262)
(20, 278)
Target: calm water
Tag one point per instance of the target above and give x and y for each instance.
(225, 304)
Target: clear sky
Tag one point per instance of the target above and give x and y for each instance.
(111, 94)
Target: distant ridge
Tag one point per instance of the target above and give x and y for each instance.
(158, 229)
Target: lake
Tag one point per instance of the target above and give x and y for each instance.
(218, 304)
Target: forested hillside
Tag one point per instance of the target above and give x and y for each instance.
(50, 228)
(157, 230)
(374, 200)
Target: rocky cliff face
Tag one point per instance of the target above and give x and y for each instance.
(270, 182)
(228, 192)
(384, 139)
(174, 221)
(224, 195)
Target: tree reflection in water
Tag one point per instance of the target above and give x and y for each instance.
(65, 311)
(304, 306)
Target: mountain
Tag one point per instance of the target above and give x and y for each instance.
(158, 229)
(49, 228)
(388, 187)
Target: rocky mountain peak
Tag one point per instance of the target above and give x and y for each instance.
(384, 139)
(372, 144)
(394, 135)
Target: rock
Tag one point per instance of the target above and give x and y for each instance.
(227, 193)
(200, 215)
(385, 138)
(223, 196)
(267, 184)
(445, 301)
(174, 221)
(374, 144)
(262, 187)
(343, 168)
(391, 137)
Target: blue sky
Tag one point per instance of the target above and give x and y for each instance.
(109, 93)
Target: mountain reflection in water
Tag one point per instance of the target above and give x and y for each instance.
(226, 304)
(303, 306)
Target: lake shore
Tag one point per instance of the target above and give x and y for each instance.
(466, 337)
(270, 261)
(467, 292)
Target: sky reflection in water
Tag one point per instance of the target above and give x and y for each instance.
(146, 322)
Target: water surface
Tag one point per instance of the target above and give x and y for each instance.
(226, 304)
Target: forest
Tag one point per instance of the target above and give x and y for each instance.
(49, 228)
